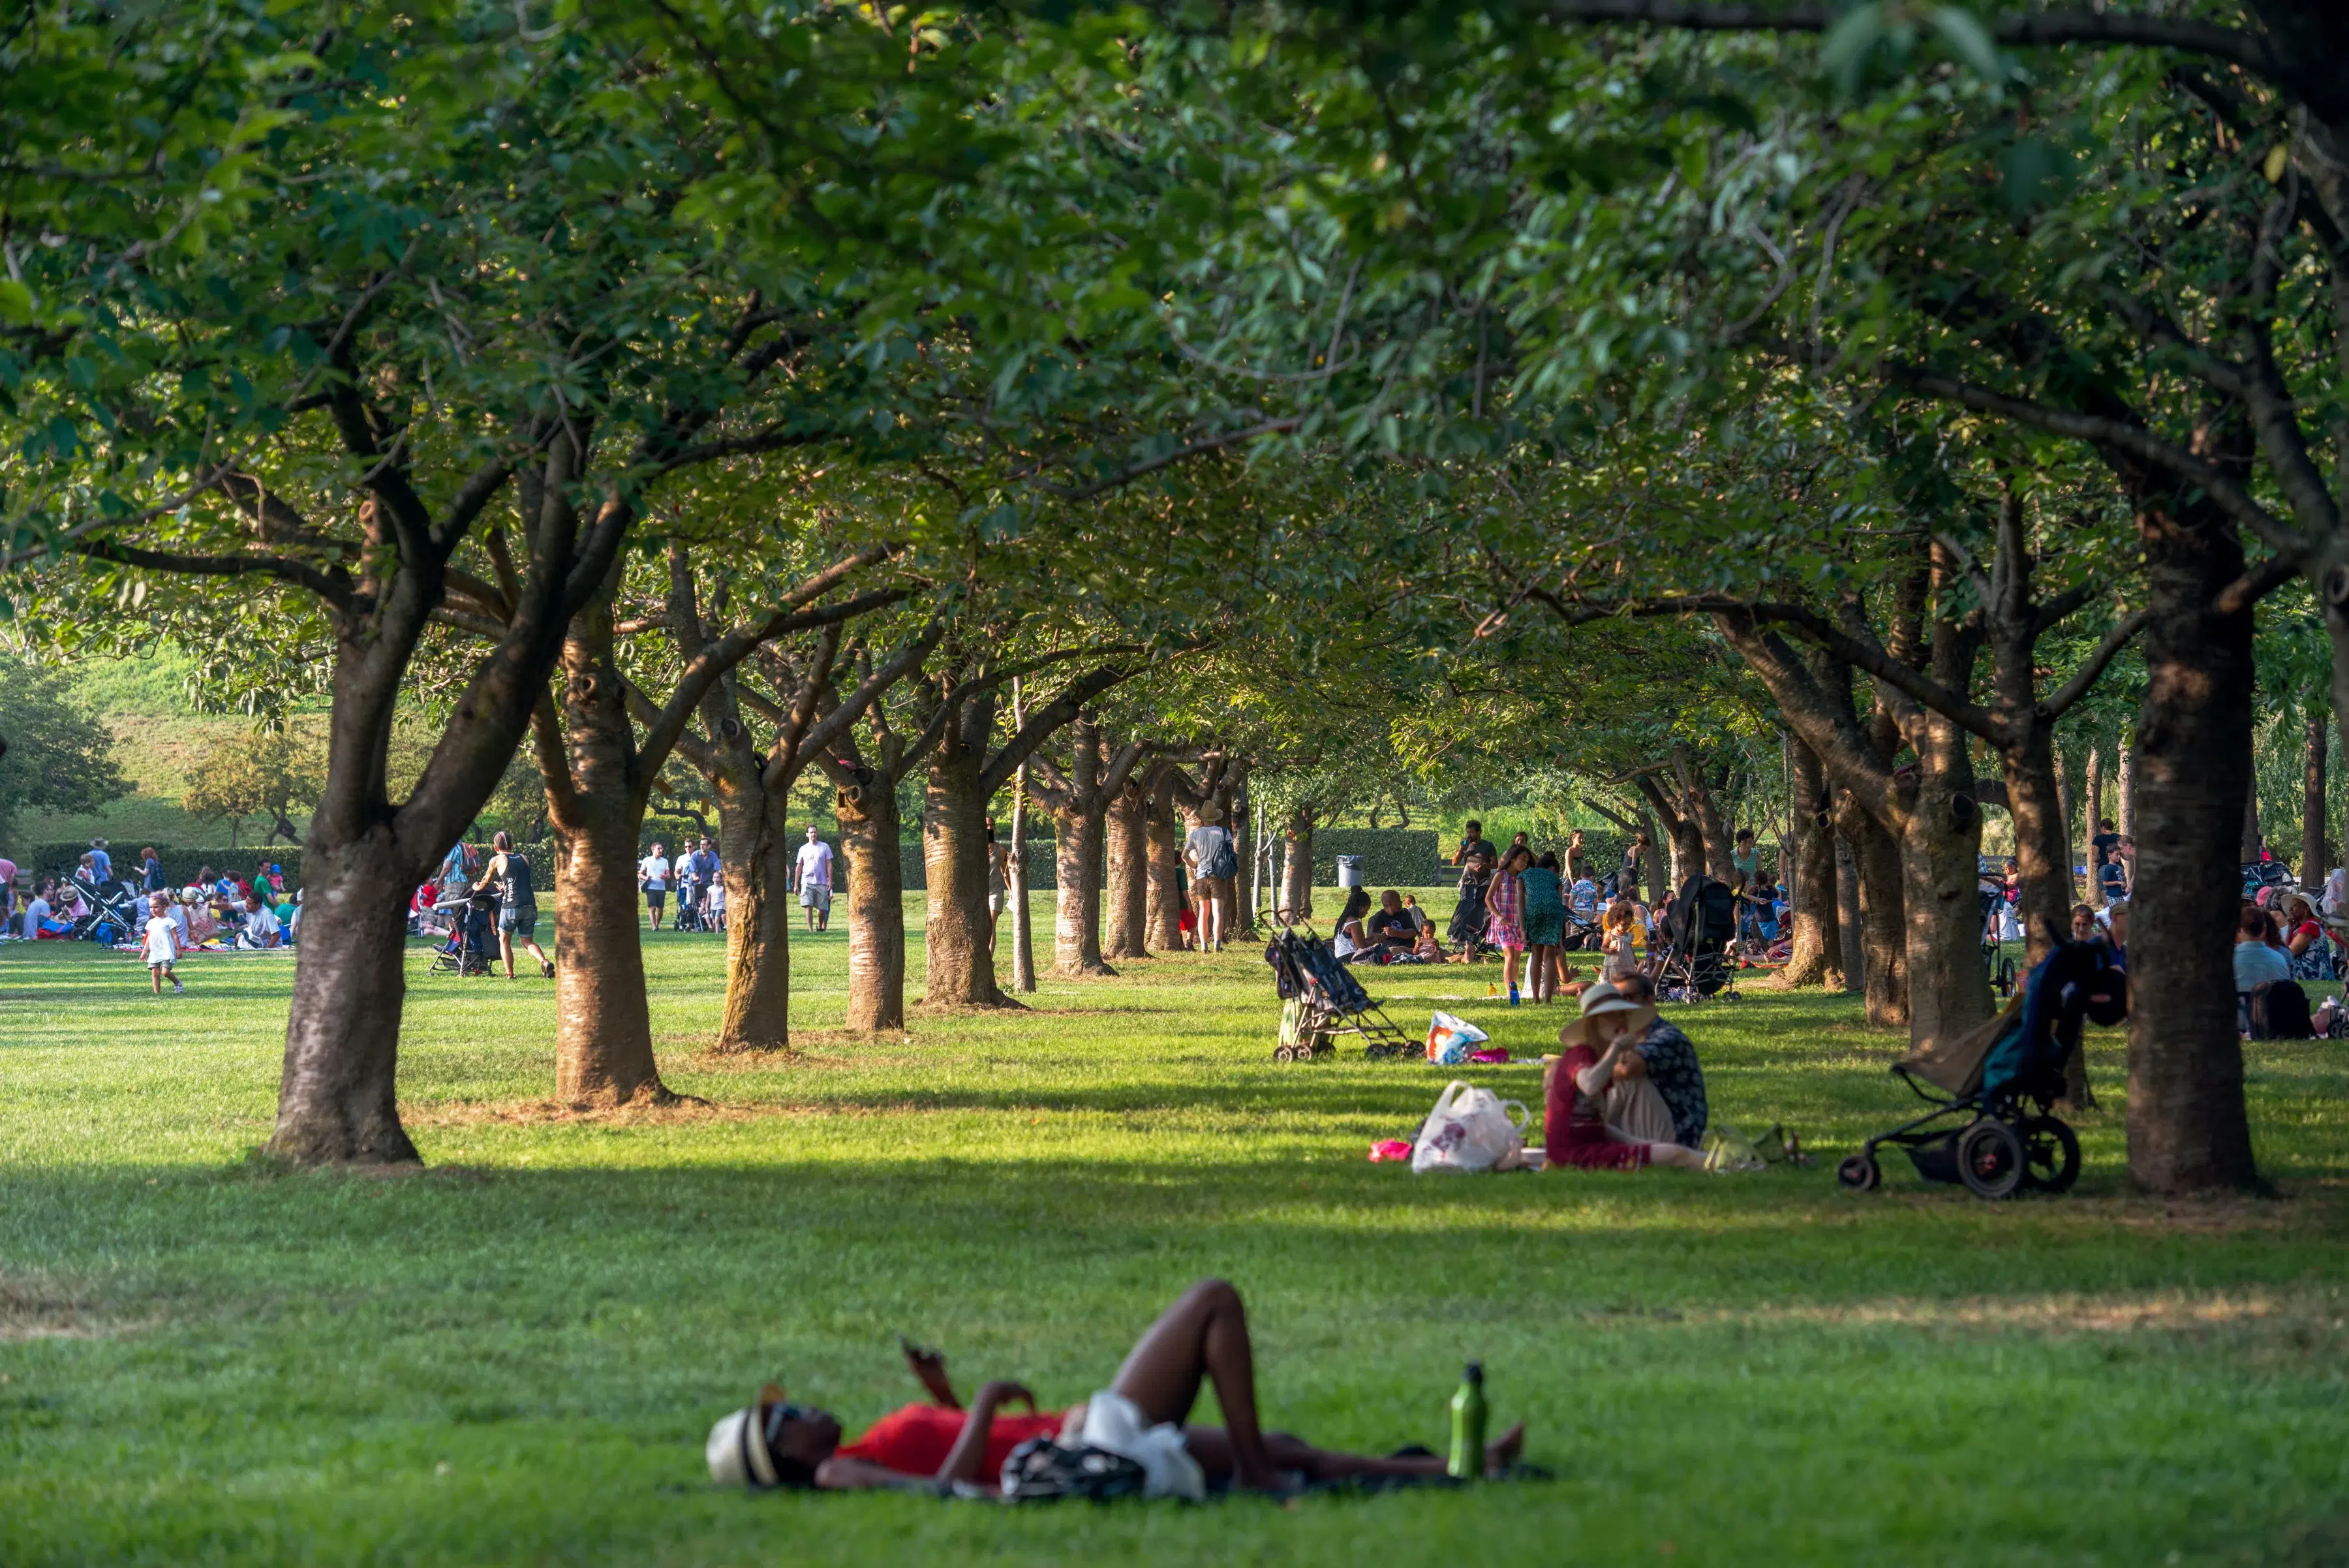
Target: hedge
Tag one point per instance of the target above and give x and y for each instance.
(180, 864)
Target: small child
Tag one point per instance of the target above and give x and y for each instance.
(162, 945)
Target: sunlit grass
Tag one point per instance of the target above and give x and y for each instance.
(513, 1355)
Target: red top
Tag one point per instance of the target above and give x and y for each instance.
(916, 1441)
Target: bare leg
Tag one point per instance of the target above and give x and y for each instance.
(537, 952)
(1211, 1445)
(505, 949)
(1203, 1335)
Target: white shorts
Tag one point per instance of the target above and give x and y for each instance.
(1116, 1423)
(815, 897)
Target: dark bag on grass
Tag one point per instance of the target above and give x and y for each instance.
(1042, 1470)
(2280, 1012)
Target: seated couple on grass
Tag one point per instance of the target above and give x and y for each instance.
(1400, 932)
(939, 1448)
(1628, 1091)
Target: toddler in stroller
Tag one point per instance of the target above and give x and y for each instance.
(472, 938)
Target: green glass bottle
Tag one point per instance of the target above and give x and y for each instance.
(1467, 1460)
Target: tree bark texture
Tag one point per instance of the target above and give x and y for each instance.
(1015, 886)
(2312, 814)
(2090, 824)
(1855, 950)
(2188, 1127)
(1128, 916)
(2065, 804)
(755, 1014)
(337, 1094)
(960, 968)
(2125, 788)
(1883, 919)
(1815, 953)
(869, 831)
(603, 1021)
(1166, 843)
(1296, 865)
(1077, 835)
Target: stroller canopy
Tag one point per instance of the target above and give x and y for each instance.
(2038, 1030)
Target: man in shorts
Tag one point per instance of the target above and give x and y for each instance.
(652, 874)
(1207, 853)
(812, 870)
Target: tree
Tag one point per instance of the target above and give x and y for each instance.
(271, 774)
(59, 756)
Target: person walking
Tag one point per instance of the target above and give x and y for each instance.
(510, 875)
(811, 872)
(1207, 851)
(653, 875)
(162, 946)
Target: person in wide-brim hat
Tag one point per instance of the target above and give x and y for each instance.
(1210, 812)
(1603, 1000)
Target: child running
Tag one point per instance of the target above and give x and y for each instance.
(163, 944)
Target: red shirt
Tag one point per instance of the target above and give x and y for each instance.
(916, 1441)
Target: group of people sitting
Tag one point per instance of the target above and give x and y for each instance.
(95, 903)
(1628, 1091)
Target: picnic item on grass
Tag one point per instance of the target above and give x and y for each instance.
(1450, 1039)
(1470, 1130)
(1468, 1460)
(1389, 1148)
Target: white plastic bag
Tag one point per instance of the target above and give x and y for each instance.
(1450, 1039)
(1470, 1130)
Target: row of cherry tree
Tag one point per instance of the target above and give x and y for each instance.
(1136, 401)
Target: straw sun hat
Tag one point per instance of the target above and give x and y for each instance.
(1210, 812)
(1601, 1001)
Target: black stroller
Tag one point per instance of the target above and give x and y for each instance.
(2000, 1081)
(1321, 999)
(1700, 939)
(472, 938)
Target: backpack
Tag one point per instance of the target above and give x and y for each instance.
(1223, 862)
(2280, 1012)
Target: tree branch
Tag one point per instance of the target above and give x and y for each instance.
(2060, 702)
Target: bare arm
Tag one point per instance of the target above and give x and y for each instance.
(1593, 1079)
(969, 1452)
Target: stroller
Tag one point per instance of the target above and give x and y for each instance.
(1321, 999)
(1700, 941)
(2000, 1080)
(113, 914)
(473, 936)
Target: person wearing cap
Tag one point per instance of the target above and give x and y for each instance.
(1574, 1126)
(1202, 1338)
(1207, 852)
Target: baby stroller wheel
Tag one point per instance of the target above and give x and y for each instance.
(1860, 1173)
(2051, 1154)
(1991, 1159)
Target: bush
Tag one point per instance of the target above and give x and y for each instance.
(1392, 857)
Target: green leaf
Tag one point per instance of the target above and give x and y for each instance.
(15, 302)
(1969, 40)
(1846, 48)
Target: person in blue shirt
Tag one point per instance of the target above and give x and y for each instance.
(2256, 962)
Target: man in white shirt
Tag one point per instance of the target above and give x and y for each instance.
(812, 871)
(652, 874)
(261, 926)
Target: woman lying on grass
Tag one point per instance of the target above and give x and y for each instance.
(1204, 1336)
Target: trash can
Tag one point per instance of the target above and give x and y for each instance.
(1349, 870)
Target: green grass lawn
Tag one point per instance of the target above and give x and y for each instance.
(513, 1355)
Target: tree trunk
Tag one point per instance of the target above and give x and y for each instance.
(1165, 842)
(2092, 808)
(2033, 801)
(1235, 816)
(1015, 888)
(1940, 852)
(2063, 803)
(2312, 812)
(1653, 867)
(1883, 922)
(1077, 850)
(1296, 866)
(1847, 894)
(337, 1096)
(960, 969)
(2188, 1128)
(603, 1021)
(756, 1012)
(1816, 955)
(869, 830)
(1129, 874)
(2125, 789)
